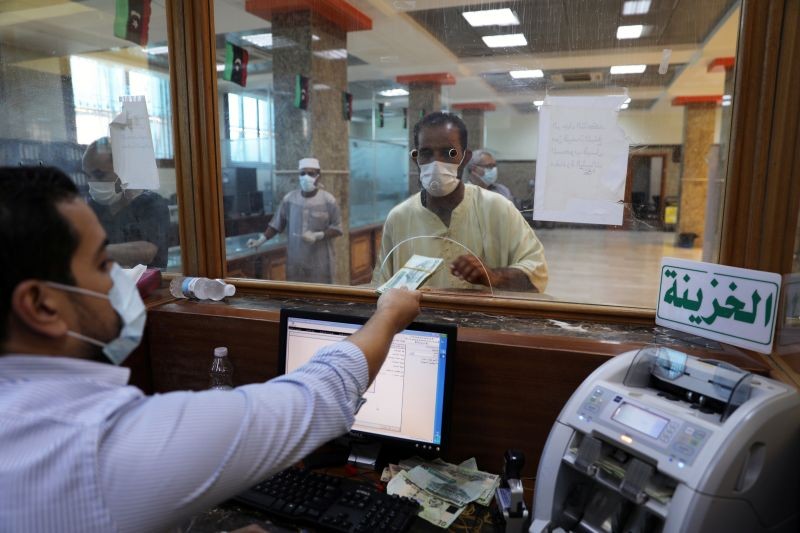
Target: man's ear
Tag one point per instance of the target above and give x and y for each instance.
(37, 307)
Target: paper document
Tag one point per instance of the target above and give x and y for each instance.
(413, 274)
(132, 145)
(583, 159)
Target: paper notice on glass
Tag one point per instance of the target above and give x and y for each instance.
(582, 162)
(132, 145)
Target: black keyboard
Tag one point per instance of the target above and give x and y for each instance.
(330, 502)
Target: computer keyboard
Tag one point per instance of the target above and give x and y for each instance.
(330, 502)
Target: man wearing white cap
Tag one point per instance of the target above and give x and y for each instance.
(312, 219)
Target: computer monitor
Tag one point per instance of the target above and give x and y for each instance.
(407, 405)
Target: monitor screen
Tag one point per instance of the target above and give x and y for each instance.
(408, 400)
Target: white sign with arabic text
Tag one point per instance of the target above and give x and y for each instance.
(732, 305)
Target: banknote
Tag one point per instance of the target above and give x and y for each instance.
(469, 471)
(435, 510)
(456, 489)
(413, 274)
(389, 472)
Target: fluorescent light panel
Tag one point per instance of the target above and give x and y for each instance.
(535, 73)
(157, 50)
(262, 40)
(394, 92)
(630, 32)
(624, 106)
(335, 53)
(491, 17)
(636, 7)
(628, 69)
(505, 41)
(538, 103)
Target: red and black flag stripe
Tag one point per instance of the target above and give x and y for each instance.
(236, 59)
(132, 21)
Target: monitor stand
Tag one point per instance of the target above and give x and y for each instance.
(364, 454)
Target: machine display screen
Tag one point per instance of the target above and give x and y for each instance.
(640, 420)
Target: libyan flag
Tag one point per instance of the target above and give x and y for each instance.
(236, 59)
(132, 20)
(347, 106)
(301, 92)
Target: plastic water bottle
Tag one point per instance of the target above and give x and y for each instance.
(200, 288)
(221, 372)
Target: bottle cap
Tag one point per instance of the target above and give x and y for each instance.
(222, 351)
(230, 290)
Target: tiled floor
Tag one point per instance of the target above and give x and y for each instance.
(608, 267)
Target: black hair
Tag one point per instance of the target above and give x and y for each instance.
(440, 118)
(36, 241)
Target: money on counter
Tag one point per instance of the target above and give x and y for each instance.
(414, 273)
(480, 486)
(389, 472)
(435, 510)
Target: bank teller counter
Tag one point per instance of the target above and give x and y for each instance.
(511, 375)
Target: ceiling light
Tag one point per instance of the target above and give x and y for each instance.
(220, 67)
(628, 69)
(314, 37)
(726, 97)
(627, 100)
(630, 32)
(321, 87)
(624, 106)
(335, 53)
(636, 7)
(491, 17)
(156, 50)
(538, 103)
(262, 40)
(535, 73)
(393, 92)
(505, 41)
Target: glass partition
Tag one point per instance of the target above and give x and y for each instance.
(318, 108)
(85, 87)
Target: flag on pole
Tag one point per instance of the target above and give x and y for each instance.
(236, 59)
(132, 20)
(301, 93)
(347, 105)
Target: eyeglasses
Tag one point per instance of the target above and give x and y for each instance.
(312, 173)
(427, 155)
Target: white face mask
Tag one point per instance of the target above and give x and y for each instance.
(489, 176)
(104, 192)
(438, 178)
(125, 299)
(307, 183)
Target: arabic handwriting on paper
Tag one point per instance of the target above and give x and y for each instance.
(132, 145)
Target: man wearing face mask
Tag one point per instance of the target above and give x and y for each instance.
(311, 218)
(453, 220)
(482, 170)
(137, 221)
(82, 451)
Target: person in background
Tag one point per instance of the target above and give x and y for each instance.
(136, 221)
(83, 451)
(480, 221)
(312, 219)
(482, 170)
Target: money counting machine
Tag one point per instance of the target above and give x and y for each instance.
(659, 441)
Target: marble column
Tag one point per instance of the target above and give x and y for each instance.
(698, 137)
(318, 52)
(474, 116)
(424, 96)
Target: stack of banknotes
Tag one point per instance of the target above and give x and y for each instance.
(442, 489)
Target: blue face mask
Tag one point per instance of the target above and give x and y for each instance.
(307, 183)
(489, 176)
(125, 299)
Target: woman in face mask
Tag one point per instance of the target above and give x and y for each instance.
(483, 173)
